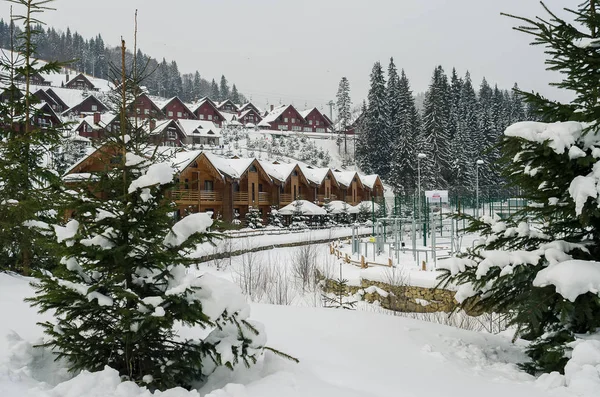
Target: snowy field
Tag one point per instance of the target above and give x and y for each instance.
(341, 353)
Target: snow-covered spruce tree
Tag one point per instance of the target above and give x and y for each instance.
(254, 219)
(344, 103)
(374, 148)
(275, 219)
(344, 217)
(435, 141)
(364, 213)
(298, 217)
(328, 220)
(540, 265)
(30, 189)
(123, 290)
(403, 175)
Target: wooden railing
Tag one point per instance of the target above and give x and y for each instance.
(263, 198)
(205, 196)
(240, 197)
(285, 198)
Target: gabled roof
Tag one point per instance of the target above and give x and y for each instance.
(82, 76)
(93, 97)
(152, 102)
(369, 181)
(225, 102)
(105, 119)
(66, 97)
(316, 175)
(203, 101)
(306, 112)
(272, 116)
(345, 178)
(250, 105)
(199, 128)
(233, 168)
(163, 103)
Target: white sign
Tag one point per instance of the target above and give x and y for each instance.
(435, 196)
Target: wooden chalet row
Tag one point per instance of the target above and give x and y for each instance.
(229, 187)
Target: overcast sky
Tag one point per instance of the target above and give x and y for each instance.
(297, 51)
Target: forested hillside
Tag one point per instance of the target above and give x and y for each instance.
(94, 57)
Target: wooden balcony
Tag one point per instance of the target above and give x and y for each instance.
(240, 197)
(285, 198)
(263, 198)
(197, 196)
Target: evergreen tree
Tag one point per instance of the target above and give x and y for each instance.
(215, 94)
(463, 145)
(364, 213)
(558, 231)
(29, 186)
(122, 286)
(328, 220)
(454, 113)
(235, 96)
(254, 219)
(275, 218)
(404, 174)
(224, 89)
(343, 105)
(344, 216)
(435, 140)
(298, 217)
(375, 151)
(338, 298)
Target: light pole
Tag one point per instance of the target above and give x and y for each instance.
(419, 157)
(477, 164)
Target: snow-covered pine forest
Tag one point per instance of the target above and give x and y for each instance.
(459, 123)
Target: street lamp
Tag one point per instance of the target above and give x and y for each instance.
(419, 157)
(477, 164)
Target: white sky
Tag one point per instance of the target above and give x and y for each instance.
(297, 51)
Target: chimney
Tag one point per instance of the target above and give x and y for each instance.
(152, 124)
(97, 118)
(67, 79)
(271, 108)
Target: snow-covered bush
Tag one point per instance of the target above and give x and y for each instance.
(254, 218)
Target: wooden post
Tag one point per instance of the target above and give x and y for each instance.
(424, 266)
(346, 258)
(363, 264)
(390, 264)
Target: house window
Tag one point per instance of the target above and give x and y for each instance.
(293, 120)
(307, 129)
(208, 185)
(146, 111)
(310, 122)
(253, 193)
(283, 127)
(201, 117)
(316, 122)
(296, 128)
(285, 119)
(252, 168)
(94, 108)
(210, 116)
(260, 187)
(179, 114)
(320, 129)
(171, 134)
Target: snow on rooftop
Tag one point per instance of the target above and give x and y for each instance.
(314, 175)
(234, 168)
(307, 208)
(344, 177)
(368, 180)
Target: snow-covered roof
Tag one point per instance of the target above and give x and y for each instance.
(282, 171)
(307, 208)
(105, 119)
(81, 176)
(199, 128)
(367, 205)
(233, 168)
(269, 118)
(368, 180)
(315, 175)
(344, 177)
(337, 207)
(69, 96)
(184, 158)
(88, 152)
(306, 112)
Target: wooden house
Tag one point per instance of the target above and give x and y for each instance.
(207, 110)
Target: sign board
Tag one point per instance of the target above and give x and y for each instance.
(435, 196)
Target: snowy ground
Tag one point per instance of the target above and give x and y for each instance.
(341, 353)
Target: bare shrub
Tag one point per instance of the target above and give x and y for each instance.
(304, 268)
(252, 275)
